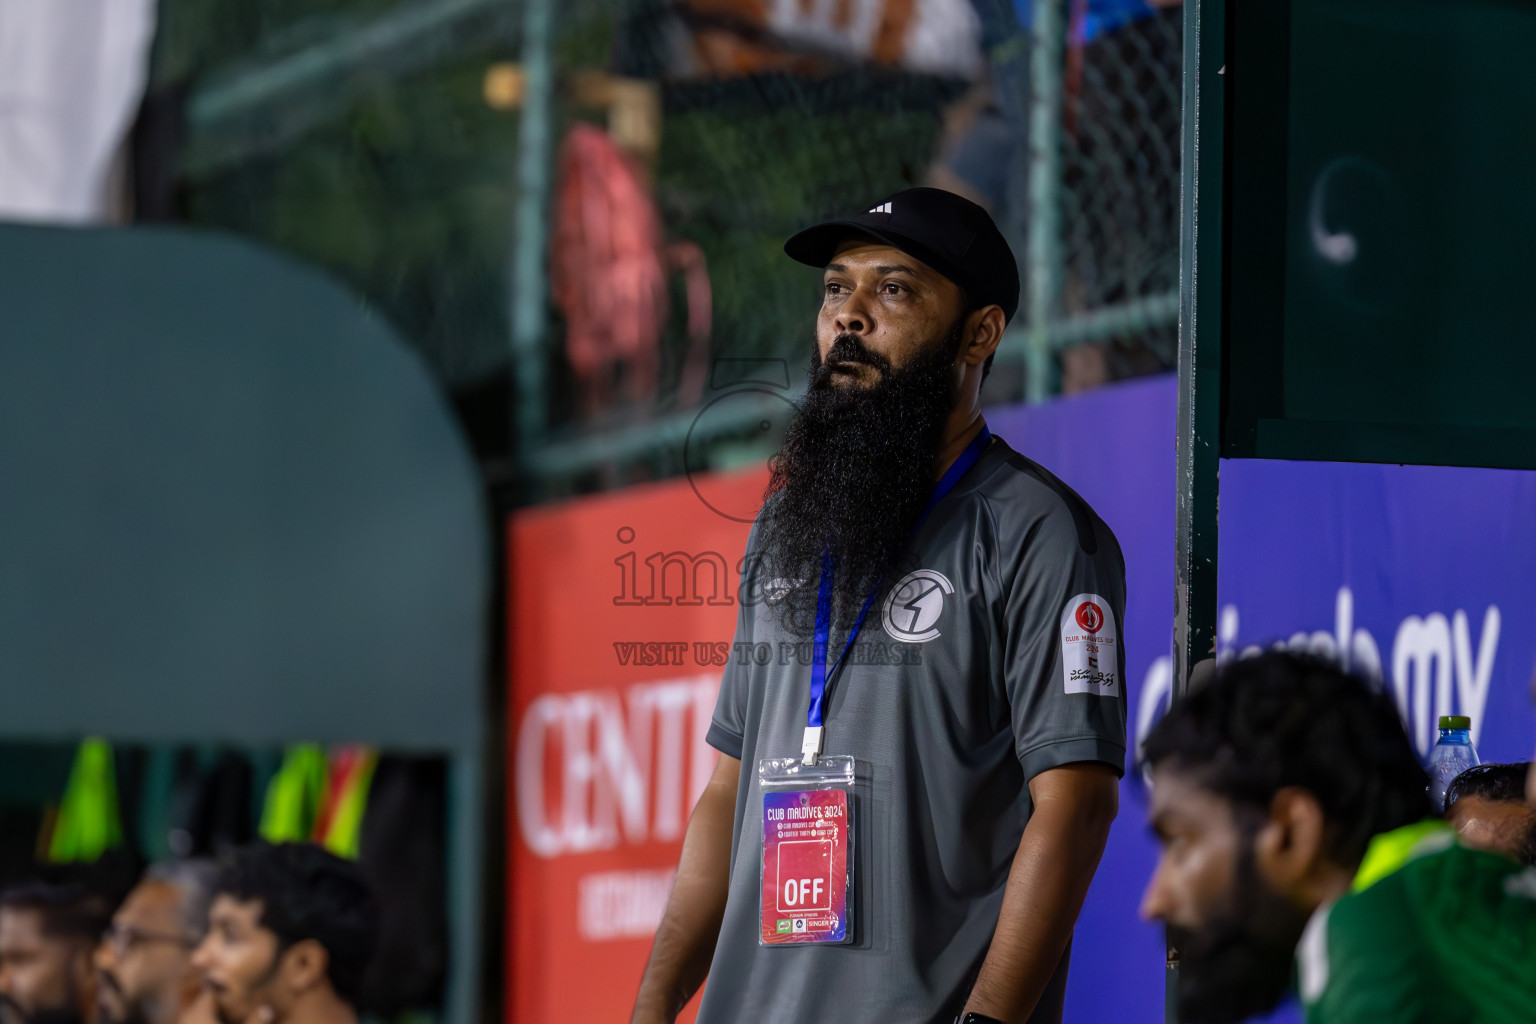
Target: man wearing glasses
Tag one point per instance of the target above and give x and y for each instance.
(144, 962)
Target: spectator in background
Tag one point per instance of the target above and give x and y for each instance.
(290, 933)
(144, 962)
(70, 79)
(1291, 811)
(48, 932)
(1486, 805)
(1118, 172)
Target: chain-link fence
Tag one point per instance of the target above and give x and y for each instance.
(590, 197)
(1120, 184)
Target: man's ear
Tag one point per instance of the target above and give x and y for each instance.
(305, 964)
(986, 331)
(1288, 849)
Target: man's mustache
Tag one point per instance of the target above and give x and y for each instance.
(847, 348)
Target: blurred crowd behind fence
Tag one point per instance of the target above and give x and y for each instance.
(582, 294)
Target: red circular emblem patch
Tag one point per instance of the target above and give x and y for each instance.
(1090, 616)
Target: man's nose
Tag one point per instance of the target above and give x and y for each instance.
(103, 957)
(853, 316)
(1154, 902)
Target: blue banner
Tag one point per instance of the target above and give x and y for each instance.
(1422, 575)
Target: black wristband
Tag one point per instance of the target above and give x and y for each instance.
(979, 1018)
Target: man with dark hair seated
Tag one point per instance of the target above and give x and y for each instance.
(290, 932)
(1486, 805)
(1295, 822)
(48, 932)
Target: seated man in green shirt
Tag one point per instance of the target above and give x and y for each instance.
(1295, 826)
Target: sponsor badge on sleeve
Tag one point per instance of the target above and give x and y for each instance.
(1090, 647)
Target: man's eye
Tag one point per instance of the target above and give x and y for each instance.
(892, 288)
(833, 288)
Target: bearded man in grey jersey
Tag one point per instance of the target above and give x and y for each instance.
(986, 770)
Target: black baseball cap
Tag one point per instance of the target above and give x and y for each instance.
(949, 233)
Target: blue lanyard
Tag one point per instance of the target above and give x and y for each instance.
(814, 716)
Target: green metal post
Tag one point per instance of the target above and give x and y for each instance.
(1200, 326)
(1200, 337)
(466, 882)
(1043, 265)
(529, 290)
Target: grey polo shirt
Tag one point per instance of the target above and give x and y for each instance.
(996, 659)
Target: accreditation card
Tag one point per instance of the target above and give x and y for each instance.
(807, 870)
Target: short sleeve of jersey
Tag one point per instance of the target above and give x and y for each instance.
(1064, 663)
(727, 728)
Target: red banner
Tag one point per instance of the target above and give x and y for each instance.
(622, 612)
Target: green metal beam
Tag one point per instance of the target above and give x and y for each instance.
(529, 313)
(387, 39)
(255, 108)
(466, 884)
(1200, 325)
(1043, 263)
(1200, 329)
(740, 415)
(1115, 321)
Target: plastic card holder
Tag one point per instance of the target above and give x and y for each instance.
(807, 862)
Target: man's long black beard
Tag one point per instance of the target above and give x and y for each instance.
(1239, 964)
(853, 476)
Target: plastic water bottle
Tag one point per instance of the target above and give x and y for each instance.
(1453, 754)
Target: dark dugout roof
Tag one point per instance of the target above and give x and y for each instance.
(233, 504)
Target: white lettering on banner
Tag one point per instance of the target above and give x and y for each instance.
(590, 763)
(1474, 678)
(672, 704)
(541, 837)
(1156, 695)
(1434, 669)
(1421, 650)
(621, 904)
